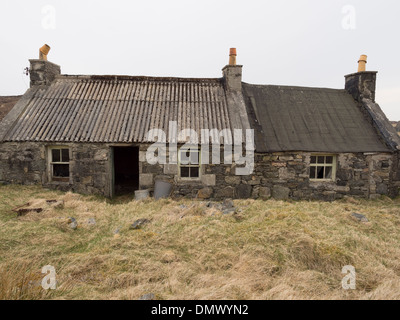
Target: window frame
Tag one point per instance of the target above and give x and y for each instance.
(332, 165)
(51, 164)
(180, 165)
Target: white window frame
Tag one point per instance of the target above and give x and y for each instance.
(180, 165)
(51, 163)
(333, 165)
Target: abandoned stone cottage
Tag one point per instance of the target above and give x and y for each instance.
(89, 134)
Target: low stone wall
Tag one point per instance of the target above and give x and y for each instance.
(278, 175)
(26, 163)
(395, 176)
(286, 175)
(22, 163)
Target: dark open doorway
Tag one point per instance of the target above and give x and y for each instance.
(126, 170)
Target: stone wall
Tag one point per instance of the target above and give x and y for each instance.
(26, 163)
(395, 176)
(286, 176)
(278, 175)
(22, 163)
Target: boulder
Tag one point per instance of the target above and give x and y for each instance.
(382, 189)
(228, 203)
(228, 192)
(264, 193)
(148, 296)
(243, 191)
(359, 217)
(205, 193)
(138, 224)
(72, 223)
(280, 192)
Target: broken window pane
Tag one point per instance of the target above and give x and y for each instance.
(185, 157)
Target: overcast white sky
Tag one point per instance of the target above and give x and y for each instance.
(300, 42)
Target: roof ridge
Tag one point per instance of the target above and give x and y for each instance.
(291, 87)
(134, 78)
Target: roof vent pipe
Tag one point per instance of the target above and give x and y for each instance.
(43, 52)
(362, 63)
(232, 57)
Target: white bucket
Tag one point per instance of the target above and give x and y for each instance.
(141, 194)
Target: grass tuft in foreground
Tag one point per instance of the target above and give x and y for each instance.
(269, 250)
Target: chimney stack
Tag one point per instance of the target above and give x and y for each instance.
(43, 52)
(362, 63)
(362, 85)
(232, 73)
(232, 57)
(43, 72)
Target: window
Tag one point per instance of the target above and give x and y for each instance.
(323, 167)
(189, 163)
(59, 164)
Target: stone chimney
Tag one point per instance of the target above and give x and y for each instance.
(233, 73)
(43, 72)
(362, 85)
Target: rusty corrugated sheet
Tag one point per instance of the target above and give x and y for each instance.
(119, 109)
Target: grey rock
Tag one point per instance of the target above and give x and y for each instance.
(92, 222)
(280, 192)
(72, 223)
(243, 191)
(228, 192)
(138, 224)
(233, 180)
(228, 203)
(359, 217)
(148, 296)
(229, 211)
(381, 188)
(205, 193)
(265, 193)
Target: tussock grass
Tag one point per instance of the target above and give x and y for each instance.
(269, 250)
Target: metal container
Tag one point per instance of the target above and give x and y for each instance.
(162, 189)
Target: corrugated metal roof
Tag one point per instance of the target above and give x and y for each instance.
(119, 109)
(308, 119)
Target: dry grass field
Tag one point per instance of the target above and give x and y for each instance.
(268, 250)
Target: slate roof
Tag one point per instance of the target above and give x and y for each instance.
(308, 119)
(119, 109)
(6, 104)
(122, 109)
